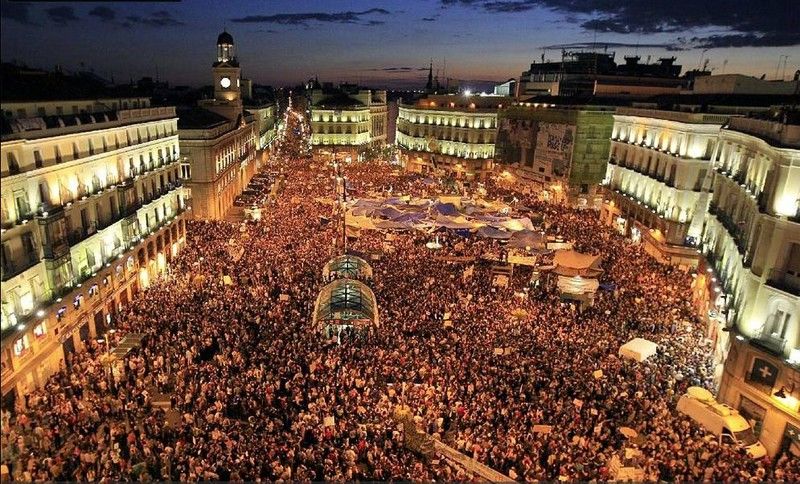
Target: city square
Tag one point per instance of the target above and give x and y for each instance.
(340, 283)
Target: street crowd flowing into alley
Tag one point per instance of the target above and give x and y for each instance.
(258, 393)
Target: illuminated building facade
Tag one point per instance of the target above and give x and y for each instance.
(658, 180)
(452, 133)
(347, 117)
(92, 211)
(752, 243)
(219, 140)
(558, 151)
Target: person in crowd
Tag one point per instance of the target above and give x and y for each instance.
(258, 394)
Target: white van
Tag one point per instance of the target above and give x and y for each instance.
(721, 420)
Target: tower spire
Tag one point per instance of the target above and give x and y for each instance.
(429, 85)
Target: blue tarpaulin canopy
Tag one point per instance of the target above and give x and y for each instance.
(389, 212)
(446, 208)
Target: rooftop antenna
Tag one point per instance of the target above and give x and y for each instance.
(778, 67)
(783, 72)
(444, 74)
(700, 61)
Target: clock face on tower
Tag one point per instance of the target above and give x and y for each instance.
(225, 82)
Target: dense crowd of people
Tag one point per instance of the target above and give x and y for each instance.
(256, 393)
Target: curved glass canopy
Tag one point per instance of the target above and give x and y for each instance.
(346, 302)
(348, 266)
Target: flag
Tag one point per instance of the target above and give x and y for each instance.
(764, 372)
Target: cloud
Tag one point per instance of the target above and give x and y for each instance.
(768, 23)
(17, 12)
(161, 18)
(61, 15)
(103, 13)
(348, 17)
(601, 45)
(397, 69)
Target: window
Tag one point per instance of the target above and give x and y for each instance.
(94, 290)
(21, 201)
(13, 165)
(21, 345)
(76, 303)
(40, 330)
(37, 158)
(793, 266)
(44, 193)
(41, 111)
(778, 324)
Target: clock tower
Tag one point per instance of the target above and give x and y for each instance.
(227, 80)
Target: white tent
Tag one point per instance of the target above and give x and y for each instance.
(638, 349)
(577, 285)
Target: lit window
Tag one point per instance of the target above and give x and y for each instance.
(21, 345)
(76, 303)
(60, 313)
(40, 330)
(93, 290)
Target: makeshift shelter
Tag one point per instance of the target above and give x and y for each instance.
(453, 222)
(389, 212)
(493, 233)
(524, 239)
(638, 349)
(577, 275)
(445, 208)
(572, 263)
(394, 225)
(518, 224)
(348, 266)
(345, 304)
(361, 222)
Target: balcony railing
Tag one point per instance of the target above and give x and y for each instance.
(18, 266)
(736, 231)
(777, 279)
(770, 342)
(79, 235)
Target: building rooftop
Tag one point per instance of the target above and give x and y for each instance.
(199, 118)
(52, 122)
(461, 102)
(22, 84)
(338, 100)
(780, 128)
(56, 125)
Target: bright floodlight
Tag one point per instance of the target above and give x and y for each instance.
(468, 93)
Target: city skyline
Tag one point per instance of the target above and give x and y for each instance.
(283, 43)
